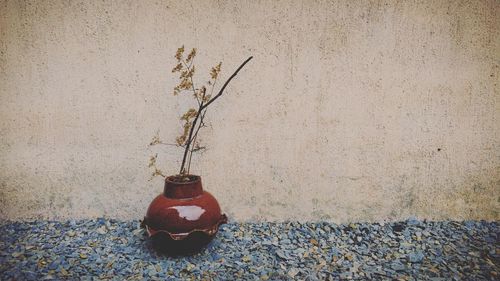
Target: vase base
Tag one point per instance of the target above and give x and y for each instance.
(192, 244)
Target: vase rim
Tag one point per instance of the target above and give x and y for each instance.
(193, 179)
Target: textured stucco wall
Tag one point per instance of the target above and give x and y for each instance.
(350, 110)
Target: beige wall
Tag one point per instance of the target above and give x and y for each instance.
(350, 110)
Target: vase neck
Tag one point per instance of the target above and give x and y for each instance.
(181, 190)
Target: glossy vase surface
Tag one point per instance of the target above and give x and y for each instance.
(184, 218)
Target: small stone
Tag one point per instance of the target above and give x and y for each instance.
(102, 230)
(281, 254)
(190, 267)
(416, 257)
(413, 221)
(16, 254)
(345, 275)
(292, 272)
(306, 251)
(397, 266)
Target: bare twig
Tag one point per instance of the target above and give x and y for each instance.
(188, 67)
(193, 148)
(227, 82)
(156, 140)
(189, 140)
(201, 108)
(170, 144)
(196, 134)
(152, 164)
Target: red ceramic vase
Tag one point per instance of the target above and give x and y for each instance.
(184, 218)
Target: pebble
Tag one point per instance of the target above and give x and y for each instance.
(119, 250)
(416, 257)
(292, 272)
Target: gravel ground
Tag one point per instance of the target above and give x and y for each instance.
(105, 249)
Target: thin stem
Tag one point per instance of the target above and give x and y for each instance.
(191, 78)
(170, 144)
(202, 106)
(157, 172)
(202, 124)
(213, 86)
(196, 135)
(190, 139)
(221, 91)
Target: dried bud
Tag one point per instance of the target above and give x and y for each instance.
(214, 72)
(185, 84)
(191, 113)
(155, 140)
(179, 53)
(176, 91)
(191, 72)
(191, 55)
(152, 161)
(177, 68)
(180, 140)
(206, 98)
(187, 73)
(157, 172)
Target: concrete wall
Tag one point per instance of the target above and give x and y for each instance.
(350, 110)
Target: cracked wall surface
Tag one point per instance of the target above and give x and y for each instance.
(349, 111)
